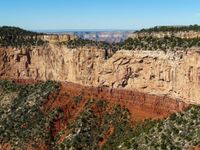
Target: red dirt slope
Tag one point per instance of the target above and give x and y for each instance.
(142, 106)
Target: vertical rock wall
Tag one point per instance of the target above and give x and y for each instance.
(173, 74)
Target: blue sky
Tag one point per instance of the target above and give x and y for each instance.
(98, 14)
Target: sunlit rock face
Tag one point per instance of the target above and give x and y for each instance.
(174, 74)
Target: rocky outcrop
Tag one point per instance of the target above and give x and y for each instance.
(52, 63)
(162, 34)
(174, 74)
(57, 38)
(141, 105)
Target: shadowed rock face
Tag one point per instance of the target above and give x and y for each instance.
(174, 74)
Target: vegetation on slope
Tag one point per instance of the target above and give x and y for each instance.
(140, 43)
(100, 124)
(165, 44)
(146, 42)
(22, 119)
(97, 124)
(172, 29)
(181, 131)
(79, 43)
(17, 37)
(86, 43)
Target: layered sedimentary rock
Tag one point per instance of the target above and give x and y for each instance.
(109, 37)
(174, 74)
(57, 38)
(141, 105)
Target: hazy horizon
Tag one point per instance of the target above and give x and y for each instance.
(84, 30)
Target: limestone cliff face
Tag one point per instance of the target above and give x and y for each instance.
(52, 63)
(172, 74)
(57, 38)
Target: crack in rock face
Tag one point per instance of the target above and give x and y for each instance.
(176, 74)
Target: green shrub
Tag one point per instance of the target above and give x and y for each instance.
(23, 121)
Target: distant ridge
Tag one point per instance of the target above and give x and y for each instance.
(109, 36)
(176, 28)
(82, 30)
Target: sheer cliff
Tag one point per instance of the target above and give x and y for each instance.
(174, 74)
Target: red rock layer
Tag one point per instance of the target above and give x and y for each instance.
(141, 105)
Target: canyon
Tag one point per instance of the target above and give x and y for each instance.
(98, 92)
(171, 74)
(105, 36)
